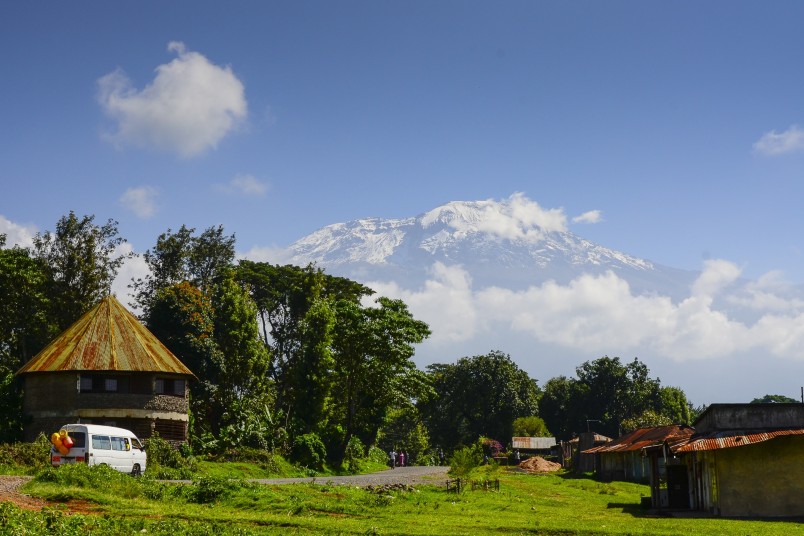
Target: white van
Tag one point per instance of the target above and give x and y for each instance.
(94, 444)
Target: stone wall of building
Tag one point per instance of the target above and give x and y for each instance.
(53, 399)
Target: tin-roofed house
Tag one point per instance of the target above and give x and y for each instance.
(646, 455)
(107, 368)
(747, 460)
(627, 457)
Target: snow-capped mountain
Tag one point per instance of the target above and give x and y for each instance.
(509, 275)
(511, 244)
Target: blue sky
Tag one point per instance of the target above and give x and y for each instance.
(677, 121)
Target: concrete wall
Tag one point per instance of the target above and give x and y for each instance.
(750, 416)
(765, 479)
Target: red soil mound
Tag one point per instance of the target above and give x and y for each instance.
(537, 464)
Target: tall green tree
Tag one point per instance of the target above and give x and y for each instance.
(25, 324)
(239, 369)
(615, 392)
(296, 310)
(478, 396)
(562, 406)
(674, 405)
(531, 426)
(82, 260)
(25, 327)
(373, 367)
(183, 319)
(200, 260)
(609, 396)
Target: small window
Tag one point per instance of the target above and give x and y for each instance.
(119, 443)
(178, 387)
(101, 443)
(169, 386)
(79, 439)
(86, 384)
(95, 383)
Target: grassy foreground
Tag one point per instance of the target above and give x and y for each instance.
(525, 504)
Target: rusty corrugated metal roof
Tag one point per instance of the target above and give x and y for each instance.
(643, 438)
(733, 438)
(107, 338)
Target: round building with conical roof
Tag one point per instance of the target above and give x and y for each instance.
(107, 368)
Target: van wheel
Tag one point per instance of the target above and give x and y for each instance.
(136, 471)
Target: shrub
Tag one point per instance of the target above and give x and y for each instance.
(309, 451)
(355, 452)
(81, 475)
(210, 489)
(167, 461)
(377, 455)
(464, 460)
(491, 447)
(27, 457)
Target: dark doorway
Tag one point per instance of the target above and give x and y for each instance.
(678, 487)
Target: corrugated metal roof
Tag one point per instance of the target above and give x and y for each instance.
(733, 438)
(596, 438)
(107, 338)
(644, 438)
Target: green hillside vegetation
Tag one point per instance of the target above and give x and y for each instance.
(525, 504)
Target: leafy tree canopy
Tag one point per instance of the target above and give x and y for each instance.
(478, 396)
(606, 394)
(531, 426)
(82, 260)
(774, 399)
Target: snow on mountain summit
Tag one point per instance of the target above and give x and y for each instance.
(509, 242)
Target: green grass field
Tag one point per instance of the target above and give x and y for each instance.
(525, 504)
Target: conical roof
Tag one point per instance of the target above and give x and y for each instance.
(107, 338)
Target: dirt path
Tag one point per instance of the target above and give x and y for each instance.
(10, 491)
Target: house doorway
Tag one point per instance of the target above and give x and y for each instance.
(678, 487)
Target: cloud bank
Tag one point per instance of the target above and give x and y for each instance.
(597, 312)
(190, 105)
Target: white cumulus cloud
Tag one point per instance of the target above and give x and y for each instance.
(141, 201)
(515, 218)
(777, 143)
(246, 185)
(16, 234)
(592, 216)
(717, 274)
(190, 105)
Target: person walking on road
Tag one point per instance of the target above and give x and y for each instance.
(392, 458)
